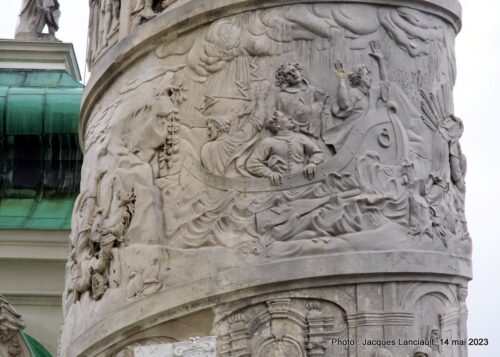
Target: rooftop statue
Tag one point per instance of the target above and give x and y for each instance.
(34, 16)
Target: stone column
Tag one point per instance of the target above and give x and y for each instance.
(285, 176)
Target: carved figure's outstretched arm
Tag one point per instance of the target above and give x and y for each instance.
(344, 106)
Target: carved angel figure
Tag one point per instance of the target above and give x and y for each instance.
(36, 14)
(286, 151)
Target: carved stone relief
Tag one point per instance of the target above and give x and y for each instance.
(104, 24)
(248, 145)
(35, 15)
(265, 136)
(284, 327)
(134, 349)
(144, 10)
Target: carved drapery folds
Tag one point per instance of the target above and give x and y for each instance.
(34, 16)
(270, 134)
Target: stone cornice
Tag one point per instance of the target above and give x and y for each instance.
(17, 54)
(317, 271)
(34, 245)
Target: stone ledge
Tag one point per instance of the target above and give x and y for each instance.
(19, 54)
(228, 286)
(34, 245)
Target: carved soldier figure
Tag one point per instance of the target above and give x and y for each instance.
(35, 15)
(286, 151)
(356, 102)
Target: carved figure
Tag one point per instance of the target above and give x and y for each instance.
(359, 101)
(300, 100)
(215, 154)
(286, 151)
(224, 147)
(110, 20)
(434, 337)
(145, 8)
(449, 164)
(109, 231)
(445, 186)
(93, 32)
(11, 325)
(422, 351)
(82, 250)
(419, 213)
(35, 15)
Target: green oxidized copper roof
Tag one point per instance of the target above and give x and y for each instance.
(39, 153)
(36, 348)
(38, 102)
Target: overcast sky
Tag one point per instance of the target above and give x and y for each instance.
(477, 102)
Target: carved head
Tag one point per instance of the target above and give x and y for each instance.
(217, 126)
(462, 293)
(361, 76)
(289, 74)
(279, 122)
(422, 351)
(433, 333)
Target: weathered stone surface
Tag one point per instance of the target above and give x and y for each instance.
(35, 15)
(12, 343)
(287, 174)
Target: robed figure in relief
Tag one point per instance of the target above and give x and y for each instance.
(36, 14)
